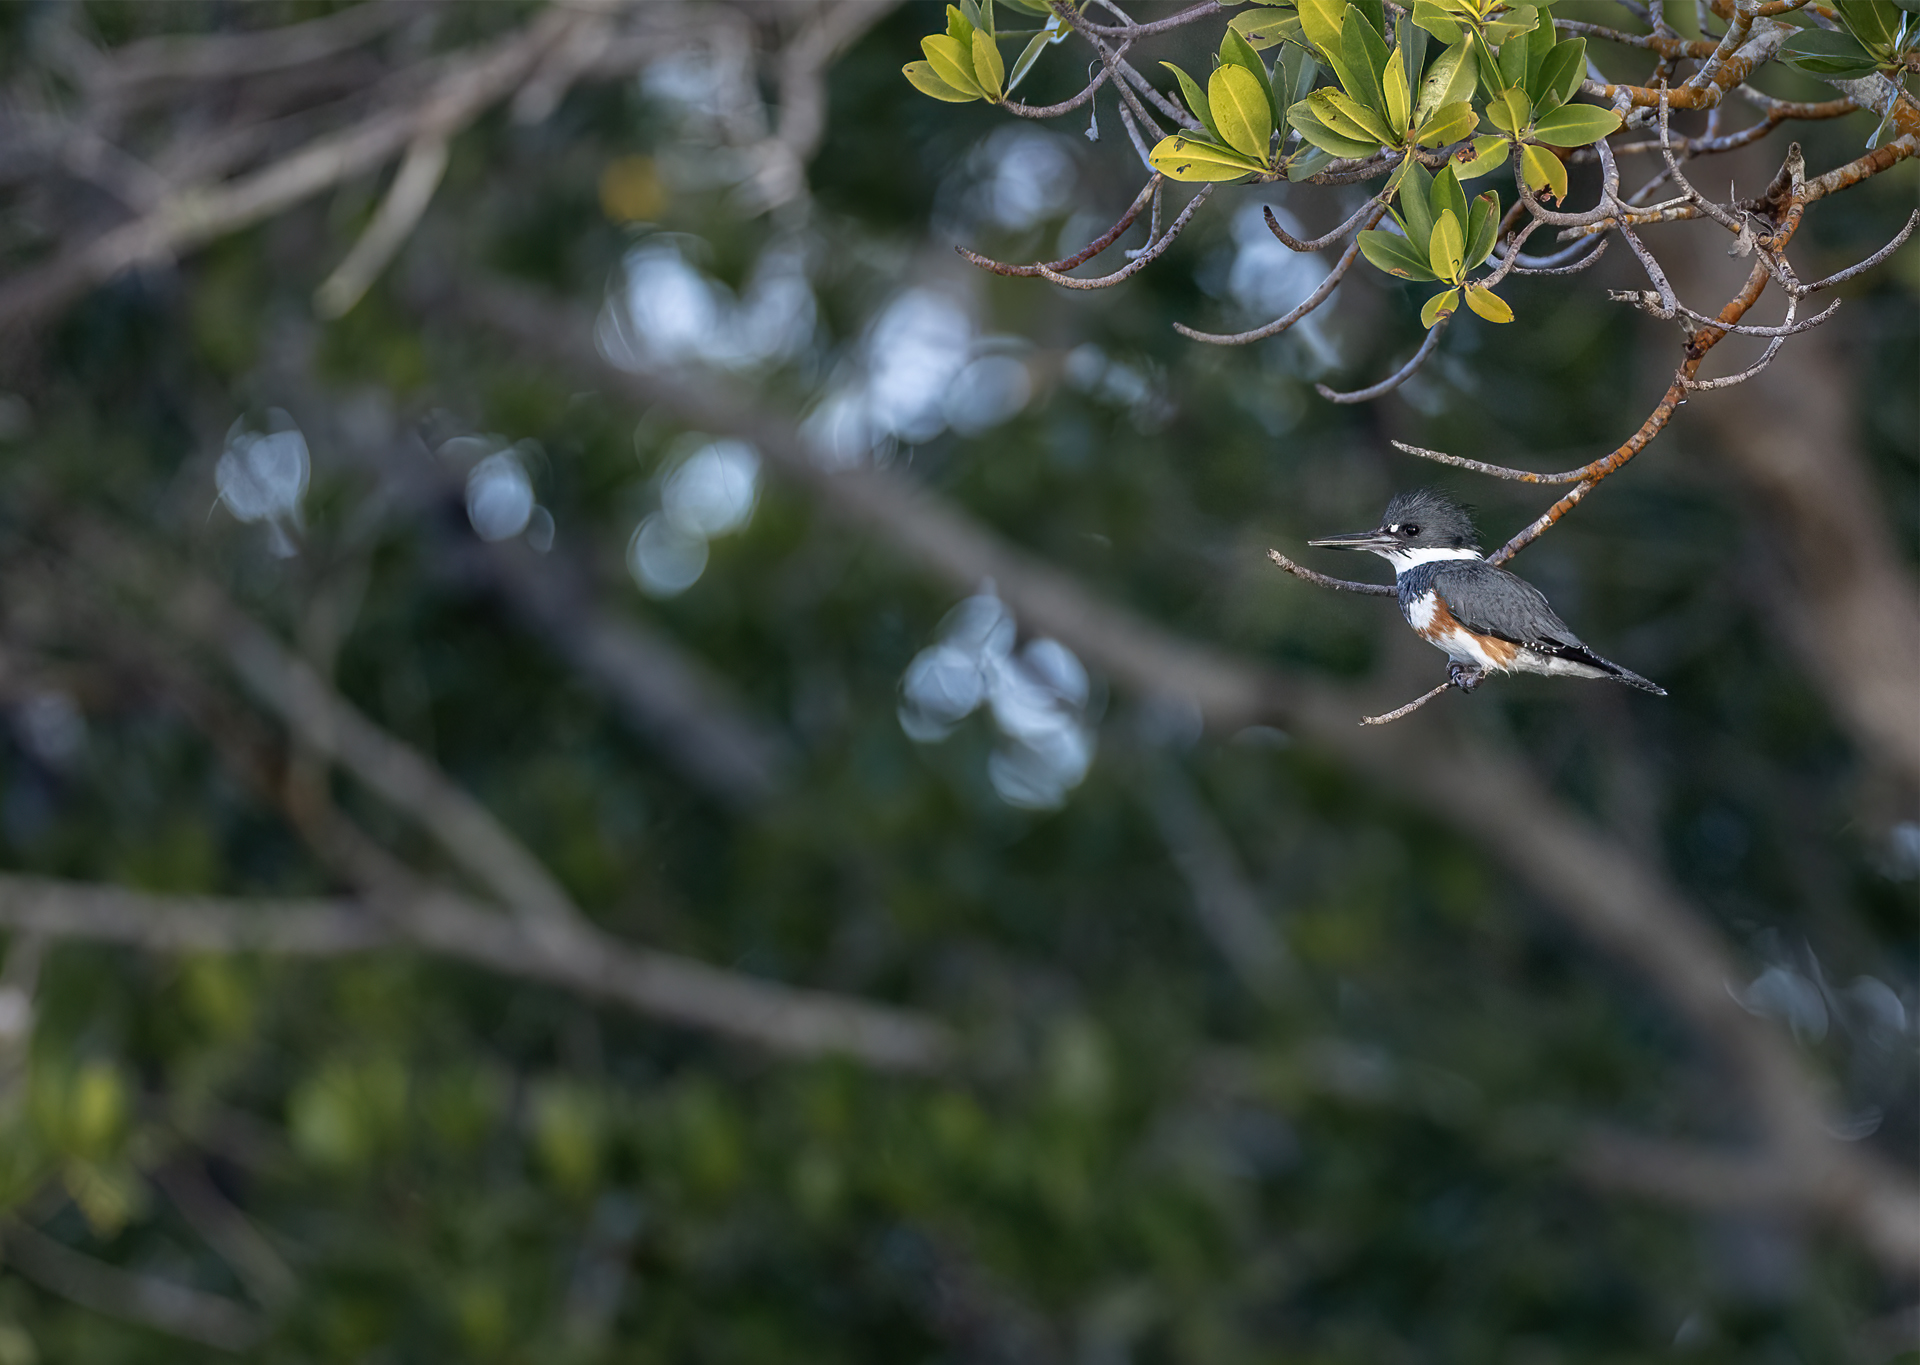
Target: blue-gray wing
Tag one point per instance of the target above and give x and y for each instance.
(1491, 601)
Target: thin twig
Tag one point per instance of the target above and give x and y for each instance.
(1842, 276)
(1361, 219)
(1337, 584)
(1280, 324)
(1495, 470)
(399, 213)
(1394, 380)
(1410, 707)
(1080, 257)
(1148, 254)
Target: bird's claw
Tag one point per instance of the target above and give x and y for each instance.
(1465, 676)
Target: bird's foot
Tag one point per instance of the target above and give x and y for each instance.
(1466, 677)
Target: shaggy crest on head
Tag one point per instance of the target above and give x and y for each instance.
(1429, 518)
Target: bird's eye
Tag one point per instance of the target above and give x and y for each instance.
(1408, 530)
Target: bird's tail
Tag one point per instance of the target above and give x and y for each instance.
(1631, 679)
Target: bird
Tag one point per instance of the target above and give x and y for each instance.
(1485, 619)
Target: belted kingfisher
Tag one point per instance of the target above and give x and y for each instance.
(1485, 619)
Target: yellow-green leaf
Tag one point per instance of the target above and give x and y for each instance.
(1187, 158)
(1450, 123)
(1543, 171)
(1349, 115)
(1320, 21)
(1447, 246)
(1441, 305)
(951, 63)
(1510, 111)
(1262, 28)
(1488, 153)
(1305, 117)
(921, 74)
(1241, 111)
(1488, 304)
(988, 69)
(1399, 100)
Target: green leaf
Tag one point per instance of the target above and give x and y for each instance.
(1304, 164)
(1513, 59)
(1035, 46)
(1036, 7)
(1820, 53)
(1311, 127)
(1575, 125)
(1189, 158)
(1446, 196)
(1447, 247)
(1262, 28)
(1450, 123)
(1488, 304)
(1489, 154)
(1449, 80)
(1560, 74)
(1411, 44)
(1441, 305)
(1543, 172)
(1416, 212)
(923, 79)
(952, 64)
(1375, 13)
(1395, 255)
(1241, 110)
(1234, 48)
(970, 10)
(1399, 102)
(1540, 45)
(1510, 111)
(1196, 99)
(1483, 226)
(1348, 117)
(1293, 75)
(1874, 22)
(988, 68)
(1366, 54)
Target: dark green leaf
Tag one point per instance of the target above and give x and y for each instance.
(1366, 54)
(1308, 163)
(1375, 13)
(1560, 74)
(1416, 213)
(1395, 255)
(1446, 196)
(1874, 22)
(1432, 19)
(1483, 226)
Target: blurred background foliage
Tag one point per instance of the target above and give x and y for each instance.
(1359, 1158)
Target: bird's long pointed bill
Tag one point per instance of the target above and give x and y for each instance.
(1356, 540)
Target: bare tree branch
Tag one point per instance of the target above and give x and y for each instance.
(579, 958)
(174, 1309)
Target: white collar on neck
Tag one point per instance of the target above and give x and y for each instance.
(1402, 560)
